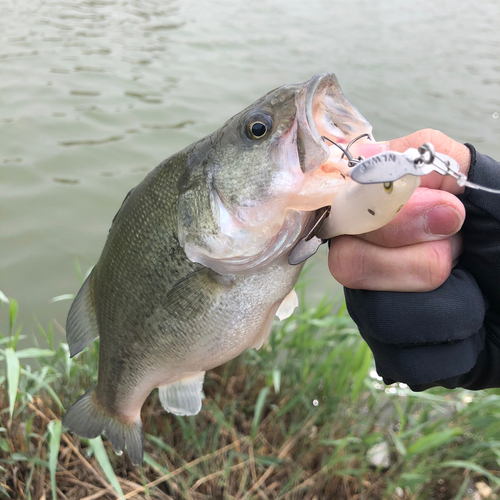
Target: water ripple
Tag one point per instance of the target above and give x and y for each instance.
(85, 93)
(149, 97)
(92, 142)
(62, 180)
(90, 68)
(168, 126)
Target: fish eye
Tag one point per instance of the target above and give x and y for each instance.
(388, 187)
(258, 129)
(258, 126)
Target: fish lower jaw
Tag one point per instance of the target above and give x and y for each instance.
(321, 186)
(337, 163)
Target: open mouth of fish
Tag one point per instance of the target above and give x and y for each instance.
(310, 169)
(333, 125)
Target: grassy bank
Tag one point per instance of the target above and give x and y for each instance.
(303, 418)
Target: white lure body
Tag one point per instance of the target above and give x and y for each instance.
(360, 208)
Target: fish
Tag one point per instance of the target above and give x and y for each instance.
(195, 265)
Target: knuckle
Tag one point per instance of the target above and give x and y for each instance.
(428, 134)
(346, 261)
(440, 140)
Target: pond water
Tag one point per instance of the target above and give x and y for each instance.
(94, 94)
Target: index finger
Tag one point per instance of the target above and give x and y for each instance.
(442, 144)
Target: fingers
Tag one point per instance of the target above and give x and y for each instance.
(428, 215)
(443, 144)
(359, 264)
(417, 250)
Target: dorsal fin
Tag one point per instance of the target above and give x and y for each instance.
(81, 325)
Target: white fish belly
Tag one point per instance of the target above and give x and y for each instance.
(241, 319)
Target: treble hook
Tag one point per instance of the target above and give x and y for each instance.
(352, 162)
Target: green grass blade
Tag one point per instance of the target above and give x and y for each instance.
(13, 308)
(158, 442)
(78, 271)
(15, 338)
(360, 375)
(27, 491)
(4, 445)
(434, 440)
(154, 464)
(102, 457)
(463, 464)
(34, 352)
(258, 410)
(461, 492)
(4, 491)
(55, 429)
(51, 337)
(400, 447)
(7, 340)
(276, 381)
(66, 296)
(40, 379)
(55, 397)
(3, 297)
(12, 377)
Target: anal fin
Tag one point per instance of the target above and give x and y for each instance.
(81, 325)
(183, 397)
(286, 308)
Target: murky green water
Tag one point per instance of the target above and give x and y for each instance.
(93, 94)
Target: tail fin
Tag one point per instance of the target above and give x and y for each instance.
(86, 418)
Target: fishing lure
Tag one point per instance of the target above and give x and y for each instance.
(396, 174)
(390, 166)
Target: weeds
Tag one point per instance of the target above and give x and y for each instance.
(303, 418)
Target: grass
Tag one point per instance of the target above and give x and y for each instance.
(299, 419)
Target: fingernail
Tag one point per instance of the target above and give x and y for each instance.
(443, 220)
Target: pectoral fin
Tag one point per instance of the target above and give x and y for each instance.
(196, 293)
(183, 397)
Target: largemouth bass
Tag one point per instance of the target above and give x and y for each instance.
(195, 265)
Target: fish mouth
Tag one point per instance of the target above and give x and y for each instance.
(327, 125)
(332, 123)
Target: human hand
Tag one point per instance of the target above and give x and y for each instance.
(416, 251)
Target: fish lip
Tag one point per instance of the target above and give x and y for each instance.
(352, 123)
(312, 87)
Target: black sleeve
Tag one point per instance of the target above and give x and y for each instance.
(449, 336)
